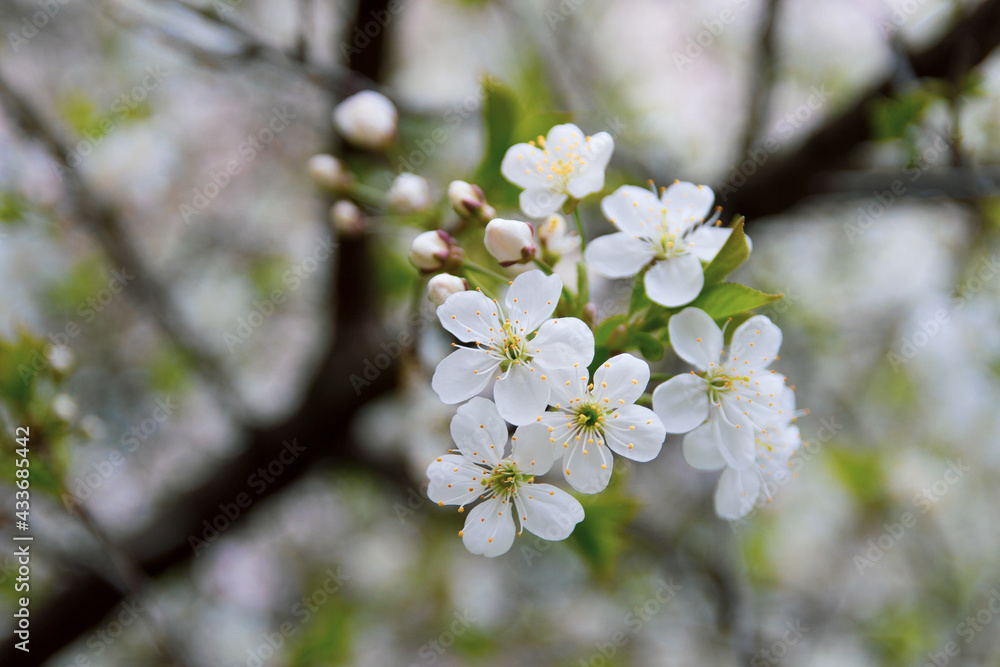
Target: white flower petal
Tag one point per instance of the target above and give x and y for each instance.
(703, 449)
(735, 434)
(618, 255)
(599, 149)
(633, 210)
(620, 380)
(453, 480)
(532, 451)
(548, 512)
(539, 201)
(587, 466)
(489, 529)
(696, 338)
(531, 299)
(521, 394)
(681, 402)
(568, 384)
(635, 432)
(708, 241)
(518, 166)
(736, 493)
(479, 431)
(755, 344)
(563, 343)
(675, 281)
(687, 204)
(463, 374)
(564, 136)
(470, 316)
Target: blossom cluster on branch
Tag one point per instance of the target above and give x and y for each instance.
(568, 386)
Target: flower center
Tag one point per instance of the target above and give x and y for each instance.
(589, 416)
(720, 384)
(513, 348)
(506, 479)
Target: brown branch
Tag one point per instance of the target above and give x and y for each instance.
(785, 180)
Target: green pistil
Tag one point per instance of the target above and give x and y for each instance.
(505, 479)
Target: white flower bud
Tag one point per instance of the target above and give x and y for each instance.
(409, 193)
(367, 119)
(64, 407)
(443, 285)
(61, 357)
(469, 201)
(347, 218)
(328, 172)
(556, 237)
(510, 241)
(433, 251)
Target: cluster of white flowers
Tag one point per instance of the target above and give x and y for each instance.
(532, 348)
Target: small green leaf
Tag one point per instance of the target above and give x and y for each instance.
(728, 299)
(501, 109)
(601, 537)
(646, 343)
(608, 328)
(733, 253)
(639, 299)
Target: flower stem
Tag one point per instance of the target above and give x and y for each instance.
(579, 229)
(659, 377)
(472, 266)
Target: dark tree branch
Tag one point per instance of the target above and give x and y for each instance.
(761, 76)
(785, 180)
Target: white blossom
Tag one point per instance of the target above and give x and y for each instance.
(564, 164)
(556, 237)
(739, 490)
(671, 231)
(506, 485)
(592, 420)
(517, 345)
(731, 396)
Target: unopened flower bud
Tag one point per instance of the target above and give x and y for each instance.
(409, 193)
(328, 172)
(367, 119)
(469, 201)
(435, 251)
(443, 285)
(347, 218)
(510, 241)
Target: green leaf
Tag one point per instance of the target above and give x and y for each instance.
(728, 299)
(862, 473)
(639, 299)
(733, 253)
(600, 538)
(501, 110)
(607, 328)
(647, 344)
(890, 117)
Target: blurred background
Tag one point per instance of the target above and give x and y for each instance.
(229, 396)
